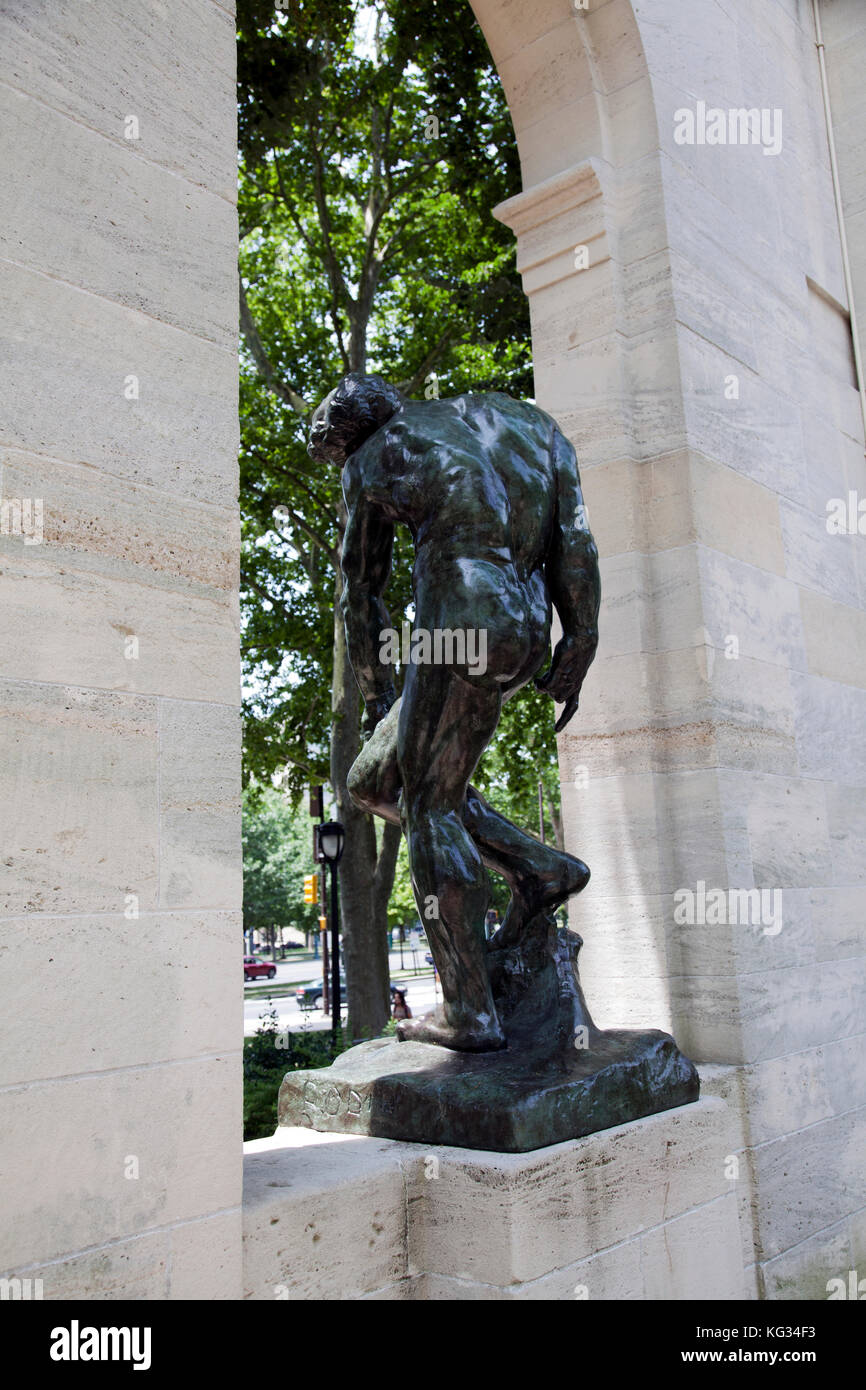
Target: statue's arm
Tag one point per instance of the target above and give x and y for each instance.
(573, 581)
(366, 563)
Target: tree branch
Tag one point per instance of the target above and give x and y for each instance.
(290, 472)
(338, 284)
(415, 382)
(315, 536)
(386, 862)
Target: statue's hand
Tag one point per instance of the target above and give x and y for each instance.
(565, 677)
(376, 709)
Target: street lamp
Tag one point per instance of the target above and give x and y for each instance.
(332, 839)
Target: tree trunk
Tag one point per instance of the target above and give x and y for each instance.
(555, 820)
(366, 877)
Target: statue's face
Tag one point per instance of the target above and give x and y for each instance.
(318, 446)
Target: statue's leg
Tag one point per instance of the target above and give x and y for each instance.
(540, 877)
(444, 726)
(374, 777)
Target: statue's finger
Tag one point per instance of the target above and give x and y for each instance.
(570, 709)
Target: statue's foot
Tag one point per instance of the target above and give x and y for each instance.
(435, 1028)
(535, 896)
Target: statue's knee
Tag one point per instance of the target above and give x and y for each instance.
(359, 790)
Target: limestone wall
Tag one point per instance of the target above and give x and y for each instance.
(702, 365)
(843, 25)
(120, 887)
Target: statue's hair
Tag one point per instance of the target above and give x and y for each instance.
(350, 414)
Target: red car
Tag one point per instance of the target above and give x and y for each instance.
(254, 968)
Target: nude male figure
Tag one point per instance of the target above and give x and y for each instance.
(489, 490)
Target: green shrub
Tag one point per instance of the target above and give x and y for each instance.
(268, 1055)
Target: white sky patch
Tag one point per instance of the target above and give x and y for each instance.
(365, 31)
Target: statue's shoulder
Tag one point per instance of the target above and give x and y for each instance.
(496, 411)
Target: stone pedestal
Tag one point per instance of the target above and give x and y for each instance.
(559, 1078)
(641, 1211)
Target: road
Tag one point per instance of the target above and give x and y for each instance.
(421, 993)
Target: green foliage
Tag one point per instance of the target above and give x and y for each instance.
(522, 754)
(266, 1062)
(277, 845)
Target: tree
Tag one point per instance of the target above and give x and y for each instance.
(374, 141)
(277, 855)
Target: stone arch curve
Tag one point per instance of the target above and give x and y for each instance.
(576, 80)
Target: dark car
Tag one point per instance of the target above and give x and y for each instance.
(255, 968)
(311, 996)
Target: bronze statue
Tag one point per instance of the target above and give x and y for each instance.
(489, 490)
(512, 1061)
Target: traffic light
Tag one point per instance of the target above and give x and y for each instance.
(311, 889)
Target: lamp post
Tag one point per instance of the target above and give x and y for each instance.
(332, 838)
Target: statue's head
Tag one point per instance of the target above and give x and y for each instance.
(354, 410)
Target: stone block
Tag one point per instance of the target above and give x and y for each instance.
(835, 636)
(511, 1218)
(819, 1169)
(87, 62)
(133, 1269)
(617, 833)
(844, 1077)
(178, 435)
(139, 977)
(200, 850)
(206, 1258)
(846, 823)
(817, 561)
(803, 1272)
(749, 1018)
(839, 922)
(760, 436)
(324, 1216)
(543, 154)
(612, 1216)
(735, 515)
(99, 1128)
(615, 43)
(167, 248)
(77, 837)
(652, 602)
(540, 74)
(119, 562)
(761, 610)
(825, 715)
(644, 505)
(696, 1255)
(787, 826)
